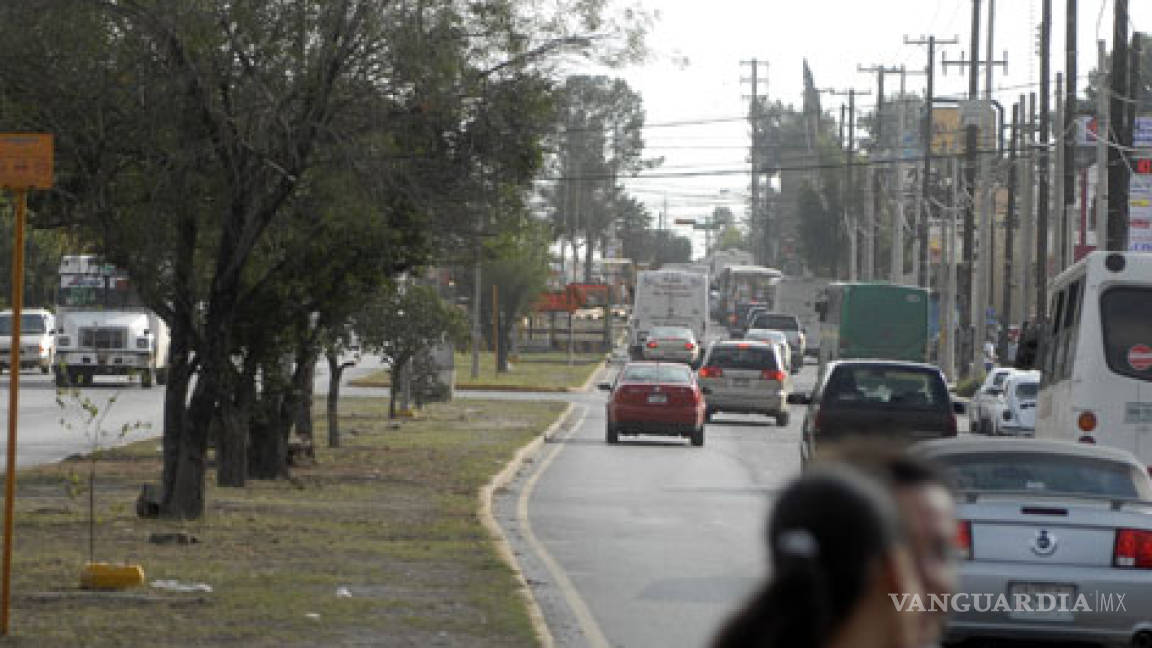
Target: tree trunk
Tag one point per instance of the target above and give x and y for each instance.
(232, 432)
(504, 330)
(303, 391)
(589, 249)
(335, 371)
(268, 455)
(175, 433)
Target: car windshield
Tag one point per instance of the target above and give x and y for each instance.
(672, 373)
(29, 324)
(670, 332)
(871, 385)
(776, 322)
(742, 357)
(1048, 473)
(1027, 391)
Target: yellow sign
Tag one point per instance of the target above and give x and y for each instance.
(947, 135)
(25, 161)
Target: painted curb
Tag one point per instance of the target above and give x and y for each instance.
(500, 539)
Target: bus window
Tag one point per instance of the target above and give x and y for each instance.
(1069, 330)
(1126, 320)
(1052, 344)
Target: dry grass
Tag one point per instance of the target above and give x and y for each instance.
(391, 516)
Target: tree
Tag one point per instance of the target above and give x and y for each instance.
(403, 320)
(519, 271)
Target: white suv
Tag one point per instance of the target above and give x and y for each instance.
(747, 377)
(37, 339)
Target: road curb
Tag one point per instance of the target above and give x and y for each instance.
(500, 539)
(587, 386)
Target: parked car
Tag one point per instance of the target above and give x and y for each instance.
(37, 339)
(985, 403)
(655, 398)
(746, 376)
(672, 343)
(772, 337)
(884, 399)
(1016, 414)
(1042, 523)
(789, 325)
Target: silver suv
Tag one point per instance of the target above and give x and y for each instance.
(748, 377)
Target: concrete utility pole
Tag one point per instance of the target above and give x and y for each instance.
(758, 222)
(1118, 176)
(1042, 167)
(1009, 232)
(1059, 181)
(923, 212)
(1028, 229)
(1102, 129)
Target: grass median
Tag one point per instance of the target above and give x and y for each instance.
(529, 372)
(378, 543)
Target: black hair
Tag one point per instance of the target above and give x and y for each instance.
(826, 533)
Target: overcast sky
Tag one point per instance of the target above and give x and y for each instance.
(694, 74)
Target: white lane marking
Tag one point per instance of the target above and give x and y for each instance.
(588, 624)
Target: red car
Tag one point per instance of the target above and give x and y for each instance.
(655, 398)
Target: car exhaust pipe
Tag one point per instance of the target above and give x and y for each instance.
(1142, 639)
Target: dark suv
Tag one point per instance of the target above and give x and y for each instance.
(881, 399)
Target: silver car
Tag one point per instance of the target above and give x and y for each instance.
(747, 377)
(672, 343)
(774, 337)
(1055, 540)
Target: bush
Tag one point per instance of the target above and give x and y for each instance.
(968, 386)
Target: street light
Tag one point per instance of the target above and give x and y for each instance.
(477, 296)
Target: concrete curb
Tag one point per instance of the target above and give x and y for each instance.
(587, 386)
(488, 519)
(527, 389)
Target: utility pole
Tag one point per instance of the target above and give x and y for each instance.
(758, 223)
(1059, 181)
(1042, 167)
(1118, 177)
(849, 194)
(923, 212)
(1102, 129)
(896, 270)
(1028, 230)
(972, 288)
(1009, 232)
(1068, 204)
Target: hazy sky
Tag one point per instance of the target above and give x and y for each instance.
(695, 74)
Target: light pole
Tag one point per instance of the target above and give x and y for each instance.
(482, 76)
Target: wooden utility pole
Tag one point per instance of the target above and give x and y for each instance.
(1042, 167)
(922, 205)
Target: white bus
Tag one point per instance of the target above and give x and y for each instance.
(668, 298)
(1096, 354)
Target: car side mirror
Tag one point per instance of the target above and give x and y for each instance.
(604, 386)
(799, 398)
(958, 407)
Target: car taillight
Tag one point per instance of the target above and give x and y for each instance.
(689, 346)
(711, 372)
(1133, 549)
(651, 345)
(1086, 421)
(964, 539)
(772, 374)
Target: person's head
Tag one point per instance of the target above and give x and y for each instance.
(929, 514)
(838, 551)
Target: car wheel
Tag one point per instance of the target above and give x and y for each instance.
(782, 419)
(610, 434)
(698, 436)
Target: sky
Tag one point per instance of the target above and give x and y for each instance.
(695, 99)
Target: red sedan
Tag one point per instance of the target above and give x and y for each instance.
(655, 398)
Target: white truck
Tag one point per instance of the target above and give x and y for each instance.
(798, 296)
(102, 327)
(668, 298)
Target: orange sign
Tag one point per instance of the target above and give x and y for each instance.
(25, 161)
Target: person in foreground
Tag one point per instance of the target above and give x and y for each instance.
(838, 550)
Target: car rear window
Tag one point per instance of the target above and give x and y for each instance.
(28, 324)
(670, 332)
(863, 386)
(1027, 390)
(1126, 317)
(776, 322)
(1043, 473)
(743, 357)
(765, 335)
(679, 374)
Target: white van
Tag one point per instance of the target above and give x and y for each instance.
(37, 339)
(1096, 354)
(668, 298)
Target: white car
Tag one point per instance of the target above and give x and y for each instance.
(1017, 404)
(37, 339)
(672, 343)
(985, 403)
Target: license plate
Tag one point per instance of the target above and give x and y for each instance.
(1138, 412)
(656, 399)
(739, 382)
(1042, 601)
